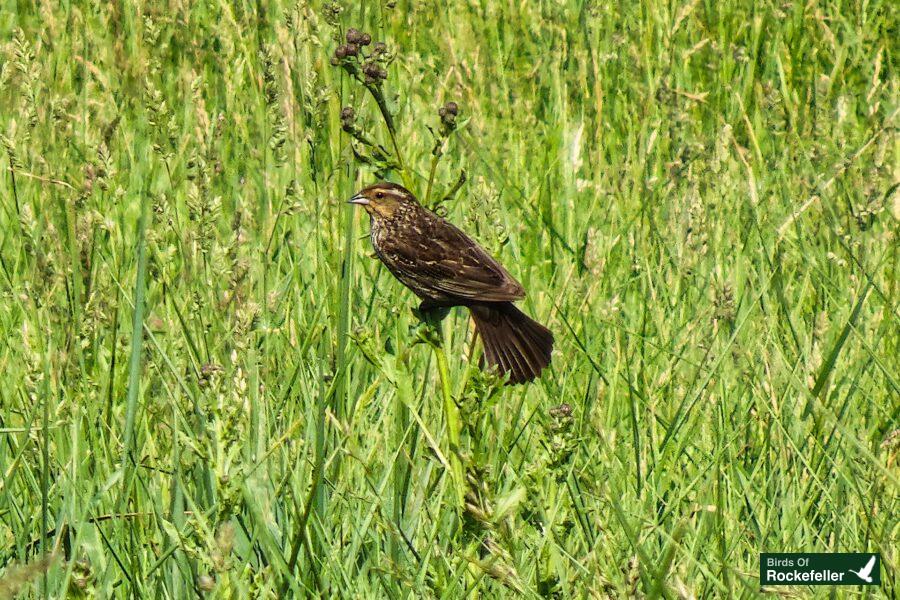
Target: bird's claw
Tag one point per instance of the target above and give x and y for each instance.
(428, 329)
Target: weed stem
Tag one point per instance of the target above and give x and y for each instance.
(451, 414)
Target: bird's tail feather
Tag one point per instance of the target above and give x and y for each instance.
(513, 342)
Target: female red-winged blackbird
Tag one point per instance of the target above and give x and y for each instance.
(445, 267)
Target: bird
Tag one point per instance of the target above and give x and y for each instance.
(866, 572)
(444, 267)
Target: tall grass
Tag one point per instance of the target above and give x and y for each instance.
(207, 386)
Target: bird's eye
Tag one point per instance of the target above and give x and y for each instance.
(379, 195)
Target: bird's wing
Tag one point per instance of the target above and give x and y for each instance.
(441, 259)
(868, 568)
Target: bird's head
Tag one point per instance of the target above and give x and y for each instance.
(383, 199)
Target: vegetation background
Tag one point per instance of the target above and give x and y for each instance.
(207, 386)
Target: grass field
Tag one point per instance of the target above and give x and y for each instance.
(209, 386)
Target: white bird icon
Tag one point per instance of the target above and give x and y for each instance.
(866, 572)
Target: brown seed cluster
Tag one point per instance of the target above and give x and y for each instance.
(348, 118)
(356, 60)
(448, 114)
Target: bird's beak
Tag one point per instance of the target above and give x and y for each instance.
(358, 199)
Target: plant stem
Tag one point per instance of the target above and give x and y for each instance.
(129, 461)
(434, 162)
(469, 363)
(451, 414)
(389, 122)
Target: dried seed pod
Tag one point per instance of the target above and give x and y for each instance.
(348, 119)
(371, 69)
(365, 39)
(373, 72)
(354, 36)
(448, 114)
